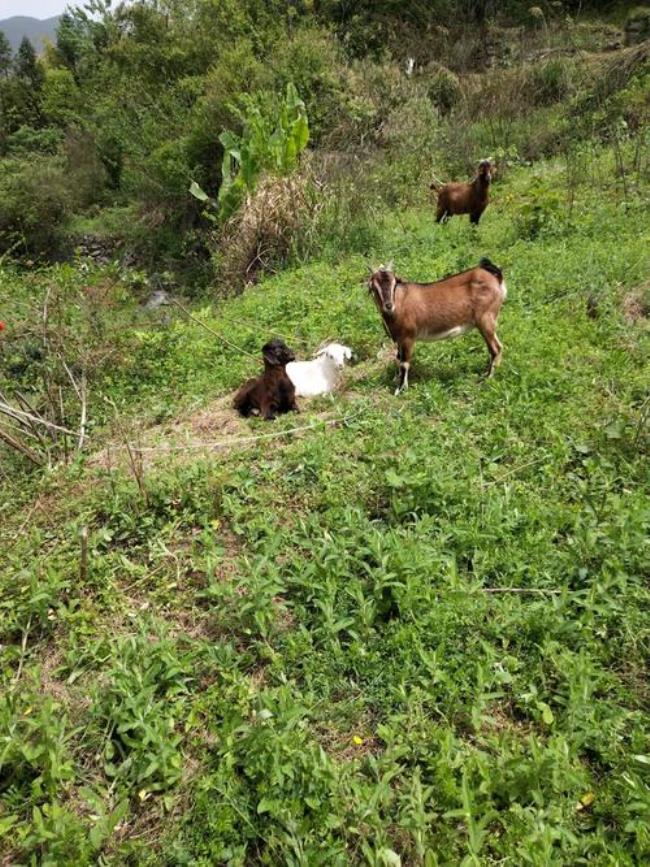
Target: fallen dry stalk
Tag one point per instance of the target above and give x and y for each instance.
(21, 447)
(211, 330)
(249, 439)
(20, 414)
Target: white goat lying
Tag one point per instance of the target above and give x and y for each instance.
(322, 374)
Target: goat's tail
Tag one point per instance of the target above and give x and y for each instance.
(489, 266)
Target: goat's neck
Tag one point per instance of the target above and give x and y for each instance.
(390, 320)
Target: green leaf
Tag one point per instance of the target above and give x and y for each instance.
(198, 193)
(547, 713)
(390, 857)
(394, 480)
(96, 836)
(7, 822)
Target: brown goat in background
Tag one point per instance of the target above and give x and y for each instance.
(273, 392)
(472, 198)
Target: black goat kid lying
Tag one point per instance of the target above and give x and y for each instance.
(273, 392)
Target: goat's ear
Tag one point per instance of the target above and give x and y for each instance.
(269, 355)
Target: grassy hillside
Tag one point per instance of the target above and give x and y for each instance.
(412, 631)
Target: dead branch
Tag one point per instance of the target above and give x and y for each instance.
(26, 405)
(15, 413)
(83, 560)
(212, 331)
(20, 447)
(83, 395)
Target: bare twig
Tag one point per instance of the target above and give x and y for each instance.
(518, 590)
(12, 411)
(45, 315)
(212, 331)
(21, 447)
(23, 650)
(83, 560)
(72, 379)
(32, 425)
(65, 438)
(83, 395)
(513, 471)
(136, 464)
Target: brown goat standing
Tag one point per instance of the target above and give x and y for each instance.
(435, 311)
(273, 392)
(472, 198)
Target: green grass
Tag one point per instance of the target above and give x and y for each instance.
(294, 651)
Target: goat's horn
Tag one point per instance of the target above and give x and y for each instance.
(390, 266)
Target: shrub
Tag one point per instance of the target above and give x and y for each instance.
(268, 143)
(443, 87)
(546, 83)
(28, 140)
(312, 61)
(263, 233)
(408, 133)
(637, 25)
(236, 71)
(541, 211)
(35, 203)
(62, 101)
(85, 170)
(372, 91)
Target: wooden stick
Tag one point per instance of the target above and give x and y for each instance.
(21, 447)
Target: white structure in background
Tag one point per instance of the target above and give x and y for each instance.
(410, 64)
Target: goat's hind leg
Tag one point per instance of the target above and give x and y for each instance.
(487, 327)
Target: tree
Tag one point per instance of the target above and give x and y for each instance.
(5, 55)
(26, 65)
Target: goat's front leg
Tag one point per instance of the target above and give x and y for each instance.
(487, 327)
(268, 410)
(404, 353)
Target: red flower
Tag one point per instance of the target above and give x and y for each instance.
(2, 326)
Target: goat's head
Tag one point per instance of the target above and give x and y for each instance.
(276, 353)
(485, 170)
(382, 285)
(337, 352)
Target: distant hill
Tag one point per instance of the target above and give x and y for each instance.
(37, 31)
